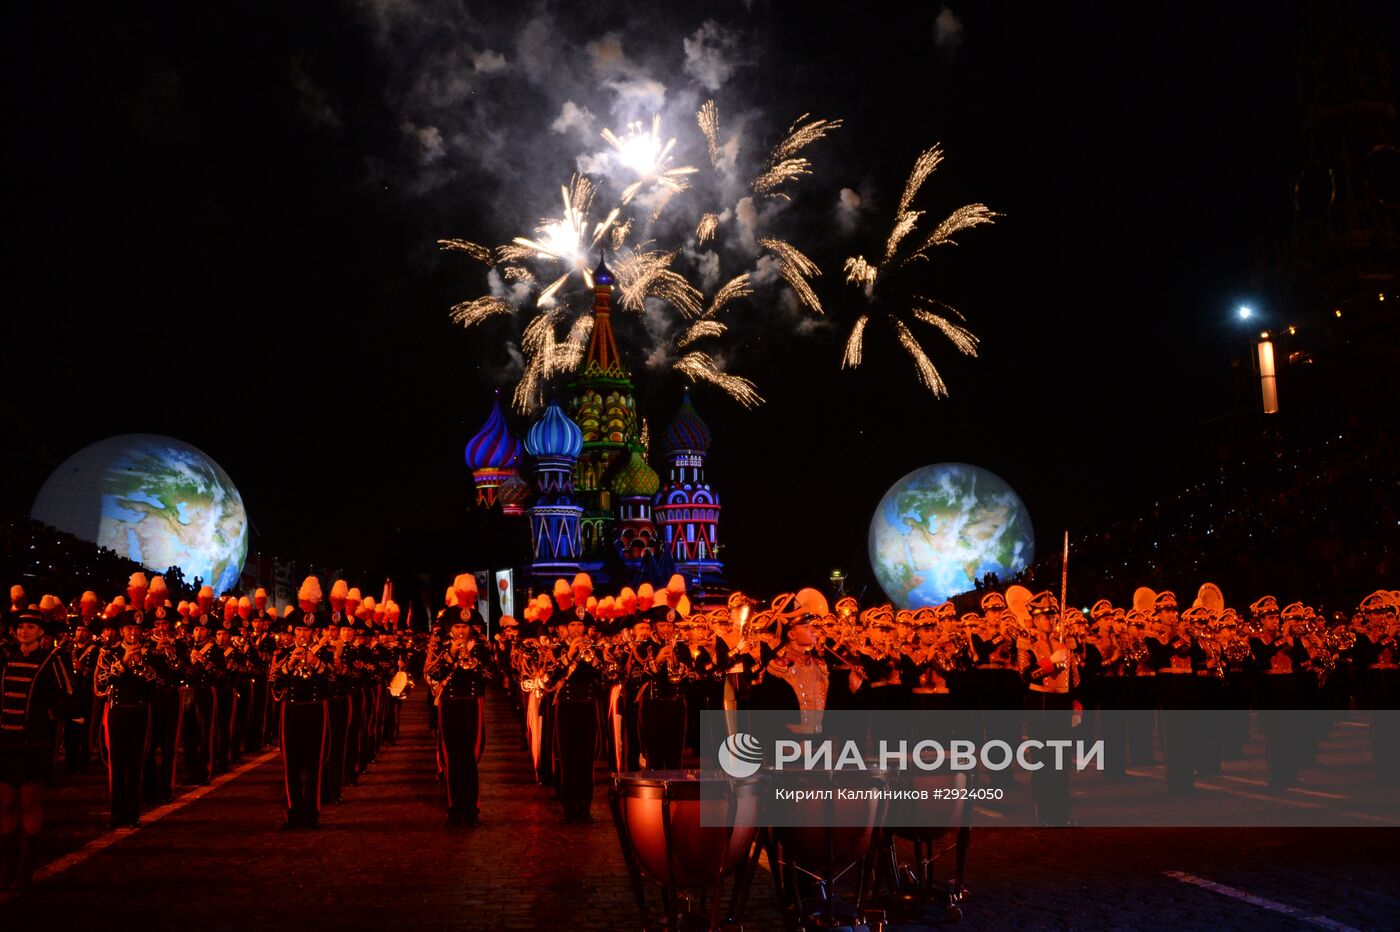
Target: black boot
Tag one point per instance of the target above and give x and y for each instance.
(9, 856)
(24, 863)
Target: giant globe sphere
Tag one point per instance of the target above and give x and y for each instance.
(155, 500)
(941, 528)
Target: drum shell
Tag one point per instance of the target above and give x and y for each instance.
(685, 853)
(839, 831)
(955, 809)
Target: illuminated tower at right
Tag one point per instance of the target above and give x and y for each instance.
(687, 509)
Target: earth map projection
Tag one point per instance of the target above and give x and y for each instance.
(155, 500)
(941, 528)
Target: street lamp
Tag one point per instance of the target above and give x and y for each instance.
(838, 581)
(1246, 312)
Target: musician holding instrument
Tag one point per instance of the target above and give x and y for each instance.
(580, 681)
(1281, 660)
(80, 659)
(459, 675)
(1381, 659)
(301, 680)
(34, 686)
(125, 679)
(262, 646)
(657, 673)
(1048, 667)
(168, 660)
(201, 712)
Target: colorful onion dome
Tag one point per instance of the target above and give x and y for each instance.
(602, 275)
(493, 447)
(687, 433)
(635, 477)
(554, 435)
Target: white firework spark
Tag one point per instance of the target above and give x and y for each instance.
(642, 151)
(565, 240)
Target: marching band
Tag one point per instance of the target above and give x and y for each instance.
(621, 680)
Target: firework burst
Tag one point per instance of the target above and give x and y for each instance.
(867, 276)
(536, 278)
(566, 240)
(643, 152)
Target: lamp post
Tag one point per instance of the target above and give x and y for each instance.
(838, 582)
(1268, 377)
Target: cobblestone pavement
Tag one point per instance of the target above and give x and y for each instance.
(385, 858)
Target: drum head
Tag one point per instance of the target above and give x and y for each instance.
(398, 684)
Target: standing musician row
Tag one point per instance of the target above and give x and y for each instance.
(623, 678)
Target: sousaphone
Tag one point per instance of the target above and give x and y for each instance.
(1210, 598)
(1017, 597)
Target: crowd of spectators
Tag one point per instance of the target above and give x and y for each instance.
(44, 559)
(1320, 524)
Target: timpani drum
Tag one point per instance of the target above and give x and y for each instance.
(661, 817)
(837, 835)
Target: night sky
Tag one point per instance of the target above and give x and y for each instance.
(222, 223)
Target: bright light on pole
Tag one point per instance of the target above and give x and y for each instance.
(1246, 313)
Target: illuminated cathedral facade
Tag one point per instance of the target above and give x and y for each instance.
(583, 480)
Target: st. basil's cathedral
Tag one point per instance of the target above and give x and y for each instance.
(582, 480)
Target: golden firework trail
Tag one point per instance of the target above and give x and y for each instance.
(567, 356)
(538, 339)
(478, 252)
(699, 331)
(471, 313)
(700, 367)
(643, 152)
(705, 229)
(796, 269)
(962, 338)
(964, 218)
(620, 232)
(928, 374)
(854, 342)
(708, 119)
(565, 240)
(517, 273)
(861, 273)
(784, 164)
(739, 286)
(643, 274)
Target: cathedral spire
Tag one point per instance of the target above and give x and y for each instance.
(602, 358)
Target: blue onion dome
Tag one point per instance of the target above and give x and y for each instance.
(554, 435)
(635, 478)
(687, 433)
(493, 447)
(602, 275)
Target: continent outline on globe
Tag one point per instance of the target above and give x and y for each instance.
(157, 500)
(940, 528)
